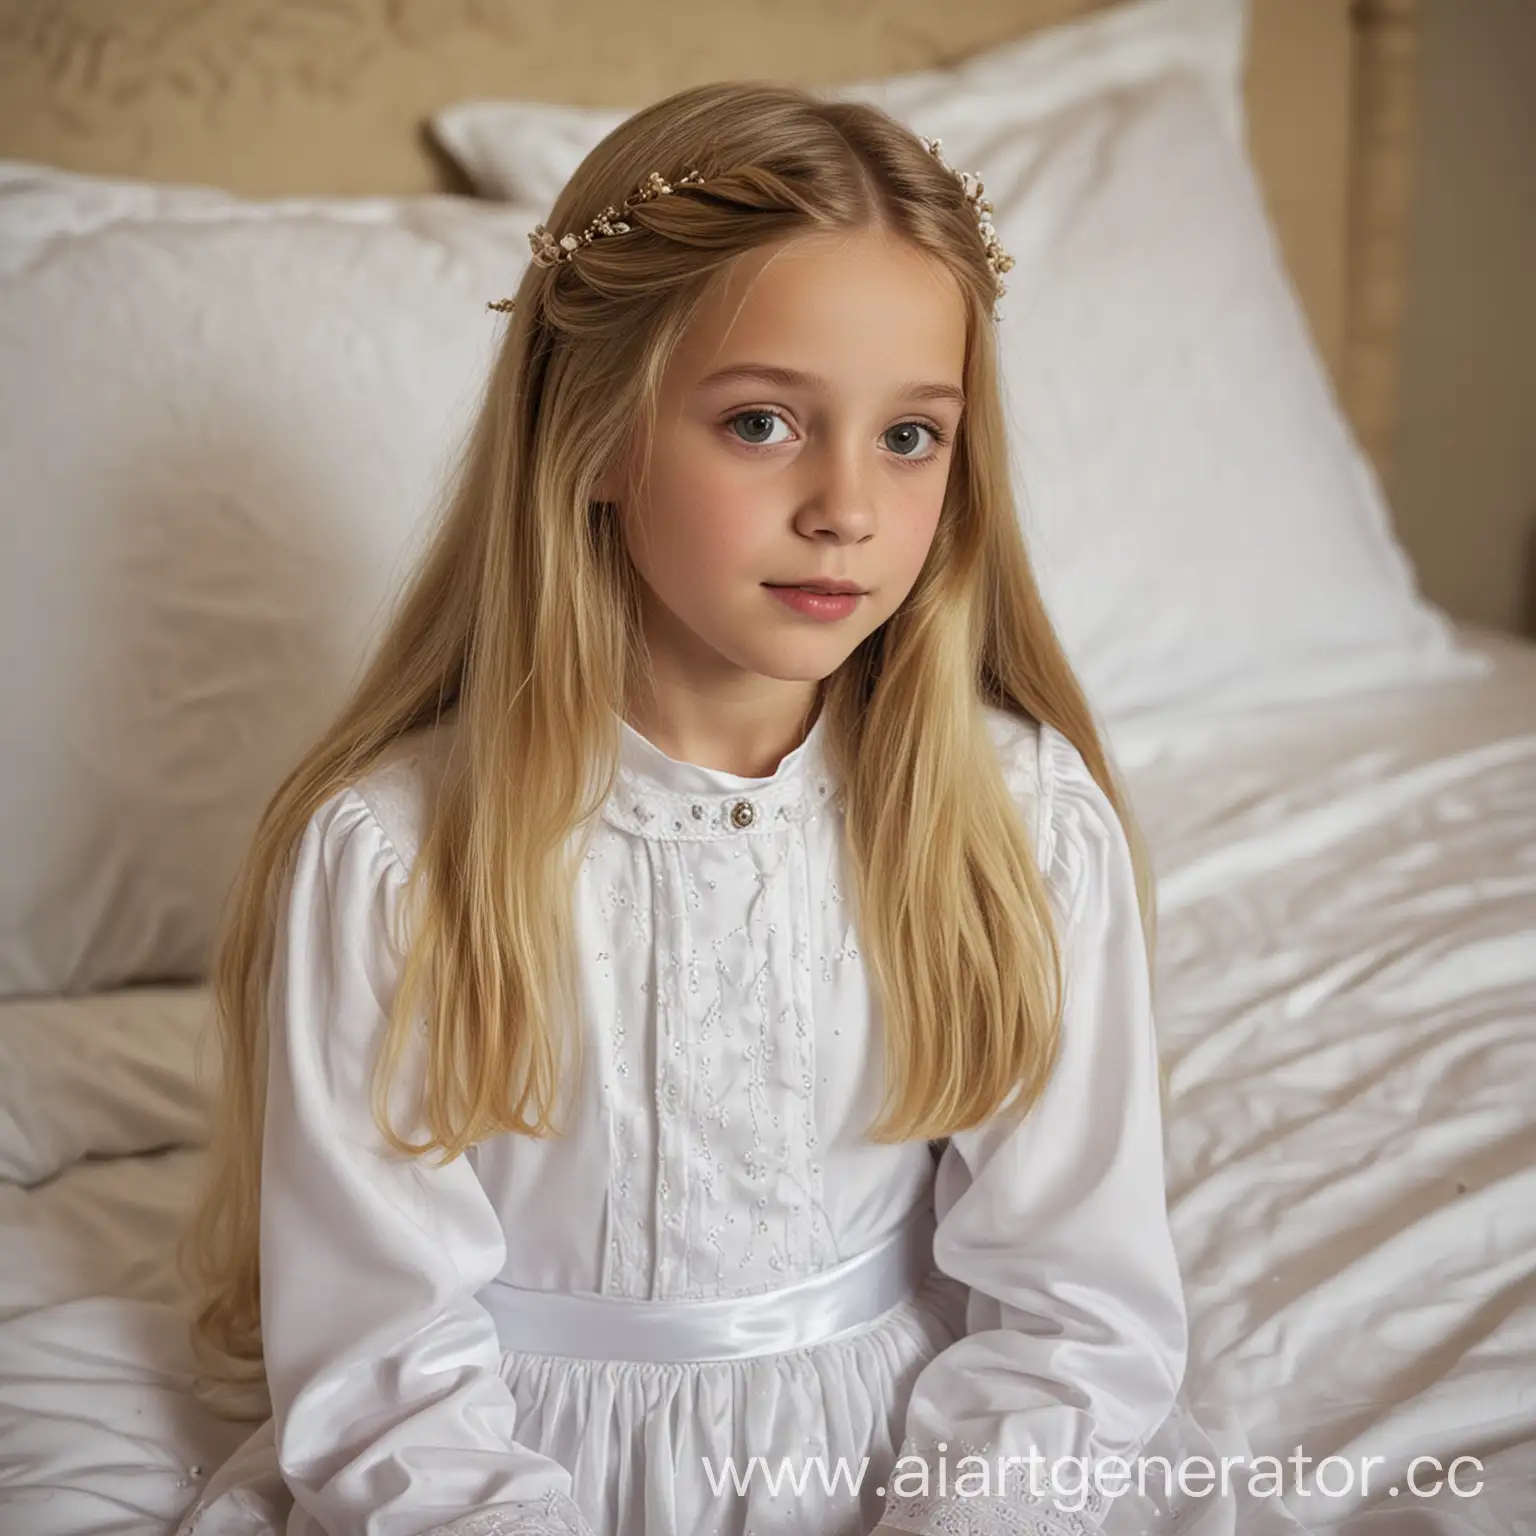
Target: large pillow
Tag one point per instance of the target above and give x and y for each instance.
(223, 425)
(109, 1075)
(1207, 534)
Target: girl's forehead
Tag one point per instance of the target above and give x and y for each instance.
(796, 268)
(831, 304)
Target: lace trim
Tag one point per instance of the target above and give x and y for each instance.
(982, 1497)
(556, 1514)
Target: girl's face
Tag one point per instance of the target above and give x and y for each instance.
(804, 435)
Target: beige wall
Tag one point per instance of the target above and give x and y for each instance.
(1463, 476)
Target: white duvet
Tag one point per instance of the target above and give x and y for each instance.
(1347, 1003)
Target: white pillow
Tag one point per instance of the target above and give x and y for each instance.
(222, 425)
(103, 1076)
(1206, 531)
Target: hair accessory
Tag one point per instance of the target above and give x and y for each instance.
(997, 258)
(548, 252)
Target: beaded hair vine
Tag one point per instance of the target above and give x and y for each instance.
(549, 252)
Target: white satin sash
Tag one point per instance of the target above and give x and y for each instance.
(809, 1311)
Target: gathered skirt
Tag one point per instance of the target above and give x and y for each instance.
(797, 1443)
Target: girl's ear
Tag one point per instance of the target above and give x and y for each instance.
(614, 483)
(607, 487)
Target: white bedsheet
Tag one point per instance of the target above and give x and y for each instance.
(1347, 1002)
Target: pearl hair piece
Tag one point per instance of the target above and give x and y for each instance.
(997, 258)
(549, 252)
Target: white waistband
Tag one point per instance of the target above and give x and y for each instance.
(804, 1312)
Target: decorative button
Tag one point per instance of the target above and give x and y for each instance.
(742, 814)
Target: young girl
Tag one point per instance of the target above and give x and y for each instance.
(687, 1027)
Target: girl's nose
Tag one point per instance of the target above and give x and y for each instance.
(840, 497)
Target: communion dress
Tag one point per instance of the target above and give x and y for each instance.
(712, 1307)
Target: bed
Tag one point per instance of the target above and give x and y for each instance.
(1346, 975)
(1348, 983)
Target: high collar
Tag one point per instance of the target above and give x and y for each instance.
(659, 796)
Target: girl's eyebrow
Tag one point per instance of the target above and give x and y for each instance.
(793, 378)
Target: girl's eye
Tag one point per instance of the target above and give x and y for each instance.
(903, 433)
(757, 419)
(908, 428)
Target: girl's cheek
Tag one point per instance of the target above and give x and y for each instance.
(731, 525)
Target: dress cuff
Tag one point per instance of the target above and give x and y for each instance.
(971, 1492)
(556, 1514)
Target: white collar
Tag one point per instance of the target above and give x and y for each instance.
(659, 796)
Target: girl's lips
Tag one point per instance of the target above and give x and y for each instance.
(817, 605)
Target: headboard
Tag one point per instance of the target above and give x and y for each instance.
(273, 97)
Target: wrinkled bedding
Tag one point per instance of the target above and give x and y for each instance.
(1346, 991)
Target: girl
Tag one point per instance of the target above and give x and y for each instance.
(717, 835)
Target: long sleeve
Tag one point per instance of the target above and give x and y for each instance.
(1076, 1333)
(390, 1416)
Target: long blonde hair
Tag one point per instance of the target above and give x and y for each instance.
(522, 619)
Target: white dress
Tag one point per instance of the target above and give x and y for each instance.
(732, 1059)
